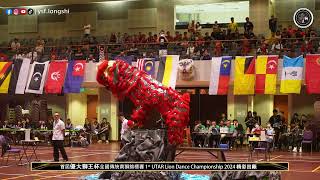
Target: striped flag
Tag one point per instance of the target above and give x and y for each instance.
(19, 76)
(220, 75)
(5, 76)
(291, 76)
(266, 74)
(244, 75)
(140, 63)
(37, 77)
(147, 65)
(168, 69)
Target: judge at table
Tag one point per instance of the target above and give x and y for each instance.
(58, 137)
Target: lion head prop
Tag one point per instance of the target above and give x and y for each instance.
(146, 94)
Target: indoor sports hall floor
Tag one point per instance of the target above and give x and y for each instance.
(302, 165)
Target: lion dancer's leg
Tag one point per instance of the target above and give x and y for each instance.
(176, 120)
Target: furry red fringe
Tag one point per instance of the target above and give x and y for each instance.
(126, 81)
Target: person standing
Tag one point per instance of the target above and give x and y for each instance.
(248, 26)
(275, 121)
(250, 121)
(223, 117)
(257, 118)
(87, 29)
(58, 137)
(125, 127)
(273, 24)
(232, 28)
(163, 42)
(240, 131)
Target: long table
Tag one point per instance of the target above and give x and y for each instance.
(220, 152)
(13, 131)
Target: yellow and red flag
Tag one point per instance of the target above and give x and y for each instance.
(244, 75)
(266, 74)
(5, 76)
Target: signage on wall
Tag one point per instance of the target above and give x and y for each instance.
(303, 18)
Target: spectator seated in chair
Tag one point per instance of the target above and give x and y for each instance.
(214, 133)
(104, 131)
(198, 139)
(80, 140)
(4, 142)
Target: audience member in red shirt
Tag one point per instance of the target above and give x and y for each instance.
(169, 37)
(143, 38)
(291, 31)
(150, 38)
(199, 40)
(185, 36)
(192, 27)
(140, 37)
(217, 48)
(245, 46)
(113, 38)
(177, 37)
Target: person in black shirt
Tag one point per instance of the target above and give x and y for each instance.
(223, 117)
(273, 24)
(257, 118)
(295, 119)
(240, 131)
(250, 121)
(88, 129)
(276, 123)
(248, 26)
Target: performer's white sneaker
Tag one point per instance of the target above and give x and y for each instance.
(294, 149)
(107, 142)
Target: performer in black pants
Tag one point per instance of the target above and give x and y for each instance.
(58, 138)
(276, 123)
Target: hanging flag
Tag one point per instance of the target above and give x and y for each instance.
(72, 83)
(37, 77)
(220, 75)
(313, 73)
(79, 68)
(147, 65)
(5, 76)
(3, 57)
(167, 71)
(291, 77)
(266, 74)
(127, 59)
(90, 72)
(244, 75)
(19, 76)
(56, 75)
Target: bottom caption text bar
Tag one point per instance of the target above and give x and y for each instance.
(158, 166)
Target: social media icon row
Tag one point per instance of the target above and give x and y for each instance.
(19, 11)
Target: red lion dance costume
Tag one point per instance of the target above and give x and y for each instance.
(146, 93)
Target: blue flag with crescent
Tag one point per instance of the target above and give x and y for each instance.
(225, 66)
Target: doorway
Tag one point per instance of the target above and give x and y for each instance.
(281, 104)
(92, 103)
